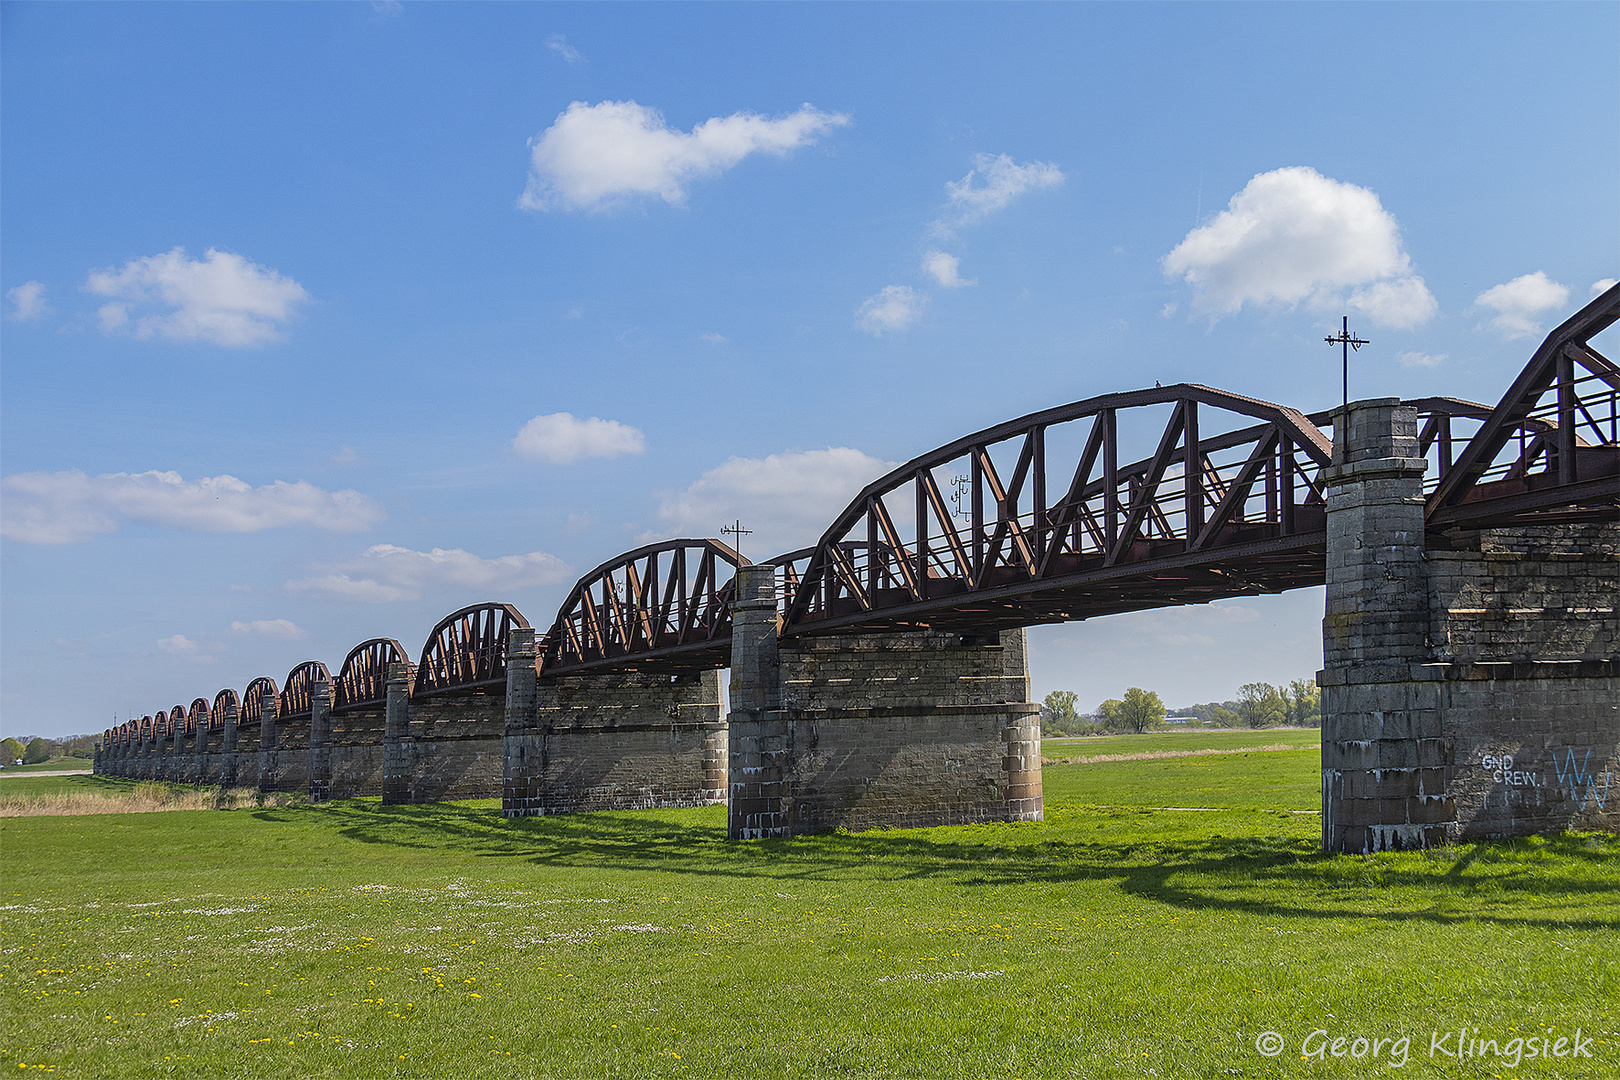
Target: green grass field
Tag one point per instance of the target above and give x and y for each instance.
(55, 764)
(1113, 940)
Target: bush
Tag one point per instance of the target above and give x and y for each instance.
(37, 750)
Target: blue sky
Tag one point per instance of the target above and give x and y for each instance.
(296, 296)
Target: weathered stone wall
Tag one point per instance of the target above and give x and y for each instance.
(452, 746)
(875, 730)
(355, 752)
(625, 741)
(1469, 687)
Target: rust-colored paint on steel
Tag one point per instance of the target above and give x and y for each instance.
(257, 693)
(363, 679)
(296, 697)
(662, 607)
(467, 649)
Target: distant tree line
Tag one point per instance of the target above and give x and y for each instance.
(1258, 705)
(33, 749)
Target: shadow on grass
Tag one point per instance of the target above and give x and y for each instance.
(1568, 881)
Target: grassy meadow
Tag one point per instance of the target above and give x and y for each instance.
(1116, 939)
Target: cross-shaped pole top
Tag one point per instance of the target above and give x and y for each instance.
(736, 529)
(1349, 342)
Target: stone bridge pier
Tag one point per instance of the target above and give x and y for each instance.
(620, 741)
(872, 730)
(1469, 686)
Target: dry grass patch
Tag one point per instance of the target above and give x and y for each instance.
(142, 799)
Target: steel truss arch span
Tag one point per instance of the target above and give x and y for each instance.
(197, 716)
(467, 650)
(363, 679)
(297, 694)
(662, 607)
(1230, 503)
(257, 693)
(223, 700)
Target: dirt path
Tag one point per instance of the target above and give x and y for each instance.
(4, 773)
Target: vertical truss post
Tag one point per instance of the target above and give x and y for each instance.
(1193, 472)
(1566, 418)
(1110, 481)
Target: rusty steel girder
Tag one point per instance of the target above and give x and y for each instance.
(663, 607)
(1549, 451)
(197, 716)
(257, 693)
(363, 679)
(222, 701)
(467, 650)
(296, 697)
(1225, 506)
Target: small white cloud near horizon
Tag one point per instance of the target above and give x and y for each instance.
(713, 338)
(943, 269)
(786, 498)
(596, 156)
(67, 507)
(558, 44)
(28, 302)
(1519, 302)
(281, 629)
(990, 185)
(561, 438)
(222, 298)
(1418, 359)
(1603, 285)
(1293, 235)
(386, 572)
(891, 310)
(186, 649)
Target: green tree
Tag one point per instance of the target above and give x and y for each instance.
(1261, 705)
(1304, 703)
(1138, 711)
(36, 751)
(1224, 717)
(1057, 713)
(10, 750)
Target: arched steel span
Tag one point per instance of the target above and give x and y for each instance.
(296, 699)
(467, 649)
(1225, 506)
(1550, 450)
(663, 607)
(197, 716)
(177, 721)
(363, 679)
(257, 693)
(223, 700)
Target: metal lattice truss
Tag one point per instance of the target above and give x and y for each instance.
(1057, 519)
(258, 692)
(467, 649)
(1549, 451)
(363, 679)
(225, 699)
(197, 716)
(296, 696)
(666, 607)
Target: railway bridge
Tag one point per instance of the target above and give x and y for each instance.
(1471, 554)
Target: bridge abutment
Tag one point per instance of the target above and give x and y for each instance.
(1469, 685)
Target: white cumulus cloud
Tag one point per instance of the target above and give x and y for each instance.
(891, 310)
(1519, 303)
(387, 572)
(788, 499)
(594, 156)
(1294, 235)
(561, 438)
(990, 185)
(282, 629)
(943, 269)
(1604, 285)
(221, 298)
(64, 507)
(186, 649)
(28, 301)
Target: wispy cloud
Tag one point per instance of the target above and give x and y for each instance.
(221, 298)
(387, 572)
(891, 310)
(28, 301)
(65, 507)
(558, 44)
(595, 156)
(991, 185)
(281, 629)
(1419, 359)
(943, 269)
